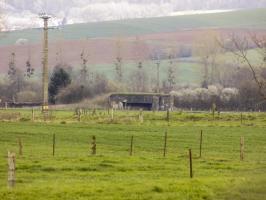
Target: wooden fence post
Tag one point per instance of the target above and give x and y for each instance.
(79, 114)
(11, 159)
(131, 146)
(190, 164)
(168, 115)
(32, 115)
(53, 144)
(112, 114)
(200, 143)
(20, 147)
(6, 105)
(213, 110)
(93, 145)
(241, 118)
(94, 111)
(46, 115)
(242, 148)
(141, 116)
(165, 144)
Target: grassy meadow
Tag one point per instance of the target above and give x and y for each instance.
(73, 173)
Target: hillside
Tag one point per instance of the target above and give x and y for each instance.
(23, 13)
(99, 41)
(249, 19)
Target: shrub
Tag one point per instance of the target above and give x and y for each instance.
(28, 96)
(202, 98)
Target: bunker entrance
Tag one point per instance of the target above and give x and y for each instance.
(144, 106)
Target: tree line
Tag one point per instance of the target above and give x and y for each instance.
(230, 77)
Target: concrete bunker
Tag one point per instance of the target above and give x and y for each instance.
(145, 101)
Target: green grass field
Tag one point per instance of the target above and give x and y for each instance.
(73, 173)
(250, 19)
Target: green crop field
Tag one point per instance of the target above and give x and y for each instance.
(73, 173)
(236, 19)
(188, 71)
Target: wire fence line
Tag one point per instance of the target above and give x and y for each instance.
(148, 144)
(124, 116)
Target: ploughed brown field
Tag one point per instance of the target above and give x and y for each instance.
(104, 50)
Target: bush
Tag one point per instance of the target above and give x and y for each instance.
(202, 98)
(28, 96)
(75, 92)
(99, 101)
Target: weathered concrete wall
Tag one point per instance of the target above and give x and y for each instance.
(142, 100)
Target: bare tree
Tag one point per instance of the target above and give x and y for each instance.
(171, 78)
(15, 75)
(12, 66)
(29, 69)
(139, 79)
(84, 74)
(240, 47)
(119, 61)
(60, 40)
(208, 49)
(1, 17)
(139, 76)
(140, 51)
(156, 56)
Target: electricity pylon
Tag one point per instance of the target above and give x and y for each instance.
(45, 75)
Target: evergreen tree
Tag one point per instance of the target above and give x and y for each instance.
(60, 79)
